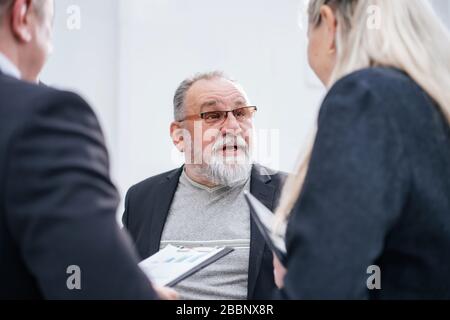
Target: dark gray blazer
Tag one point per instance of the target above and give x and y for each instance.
(377, 193)
(57, 203)
(147, 206)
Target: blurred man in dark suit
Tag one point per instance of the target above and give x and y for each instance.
(58, 235)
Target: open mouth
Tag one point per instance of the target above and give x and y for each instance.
(230, 148)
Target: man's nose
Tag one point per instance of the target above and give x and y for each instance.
(231, 123)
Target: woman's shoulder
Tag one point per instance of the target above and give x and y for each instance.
(378, 86)
(385, 79)
(387, 97)
(391, 73)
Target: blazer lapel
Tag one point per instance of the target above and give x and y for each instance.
(163, 195)
(264, 191)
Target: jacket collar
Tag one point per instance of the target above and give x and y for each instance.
(166, 192)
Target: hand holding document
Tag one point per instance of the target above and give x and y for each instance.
(173, 264)
(166, 293)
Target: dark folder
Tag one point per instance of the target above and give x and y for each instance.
(265, 219)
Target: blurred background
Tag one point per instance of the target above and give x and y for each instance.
(127, 57)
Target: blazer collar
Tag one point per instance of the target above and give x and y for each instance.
(166, 192)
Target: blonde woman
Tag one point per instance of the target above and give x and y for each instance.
(370, 206)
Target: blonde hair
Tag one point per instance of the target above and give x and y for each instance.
(409, 37)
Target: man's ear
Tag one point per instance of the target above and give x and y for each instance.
(20, 20)
(329, 20)
(176, 133)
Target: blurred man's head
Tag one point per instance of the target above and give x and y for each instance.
(25, 34)
(213, 127)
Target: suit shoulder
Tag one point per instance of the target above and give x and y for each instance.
(149, 183)
(27, 108)
(383, 92)
(377, 80)
(57, 100)
(277, 176)
(378, 74)
(26, 95)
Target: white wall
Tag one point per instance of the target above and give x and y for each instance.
(443, 10)
(86, 60)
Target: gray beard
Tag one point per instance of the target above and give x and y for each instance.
(229, 175)
(220, 171)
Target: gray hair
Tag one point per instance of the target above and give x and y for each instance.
(183, 88)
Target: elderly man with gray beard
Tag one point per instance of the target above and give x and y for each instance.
(202, 203)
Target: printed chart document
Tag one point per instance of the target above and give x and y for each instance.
(173, 264)
(264, 220)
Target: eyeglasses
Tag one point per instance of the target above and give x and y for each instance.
(219, 117)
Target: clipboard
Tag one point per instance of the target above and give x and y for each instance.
(264, 220)
(174, 264)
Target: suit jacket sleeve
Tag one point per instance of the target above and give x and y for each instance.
(61, 206)
(353, 193)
